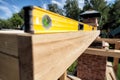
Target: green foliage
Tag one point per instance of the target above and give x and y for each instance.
(55, 8)
(21, 13)
(99, 5)
(5, 23)
(14, 22)
(118, 72)
(87, 5)
(114, 15)
(72, 9)
(72, 68)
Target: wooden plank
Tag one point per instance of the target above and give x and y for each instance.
(25, 57)
(103, 52)
(68, 78)
(116, 60)
(111, 41)
(16, 45)
(43, 38)
(42, 55)
(115, 64)
(110, 74)
(8, 44)
(73, 77)
(54, 53)
(11, 31)
(64, 76)
(9, 67)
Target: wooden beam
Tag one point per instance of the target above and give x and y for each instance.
(116, 60)
(9, 62)
(111, 41)
(115, 64)
(8, 44)
(73, 77)
(11, 31)
(14, 56)
(43, 56)
(25, 57)
(103, 52)
(64, 76)
(54, 53)
(9, 67)
(110, 74)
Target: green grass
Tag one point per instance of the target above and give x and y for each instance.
(118, 72)
(71, 69)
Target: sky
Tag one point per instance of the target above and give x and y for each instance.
(8, 7)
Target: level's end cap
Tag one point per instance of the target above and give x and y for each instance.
(28, 7)
(31, 7)
(91, 13)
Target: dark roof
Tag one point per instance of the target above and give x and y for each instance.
(91, 13)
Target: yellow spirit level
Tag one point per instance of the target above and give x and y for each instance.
(38, 20)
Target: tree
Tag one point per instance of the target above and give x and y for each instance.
(21, 13)
(16, 21)
(87, 5)
(55, 8)
(99, 5)
(114, 15)
(72, 9)
(5, 24)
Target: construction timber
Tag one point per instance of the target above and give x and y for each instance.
(25, 56)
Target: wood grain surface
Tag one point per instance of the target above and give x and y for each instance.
(41, 56)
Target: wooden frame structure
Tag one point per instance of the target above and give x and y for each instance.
(41, 57)
(115, 53)
(116, 42)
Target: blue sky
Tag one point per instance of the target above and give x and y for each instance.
(8, 7)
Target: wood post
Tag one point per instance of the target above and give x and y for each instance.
(116, 60)
(115, 64)
(64, 76)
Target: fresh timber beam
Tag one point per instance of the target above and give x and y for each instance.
(25, 57)
(103, 52)
(41, 56)
(54, 53)
(9, 67)
(8, 44)
(110, 74)
(73, 77)
(64, 76)
(116, 60)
